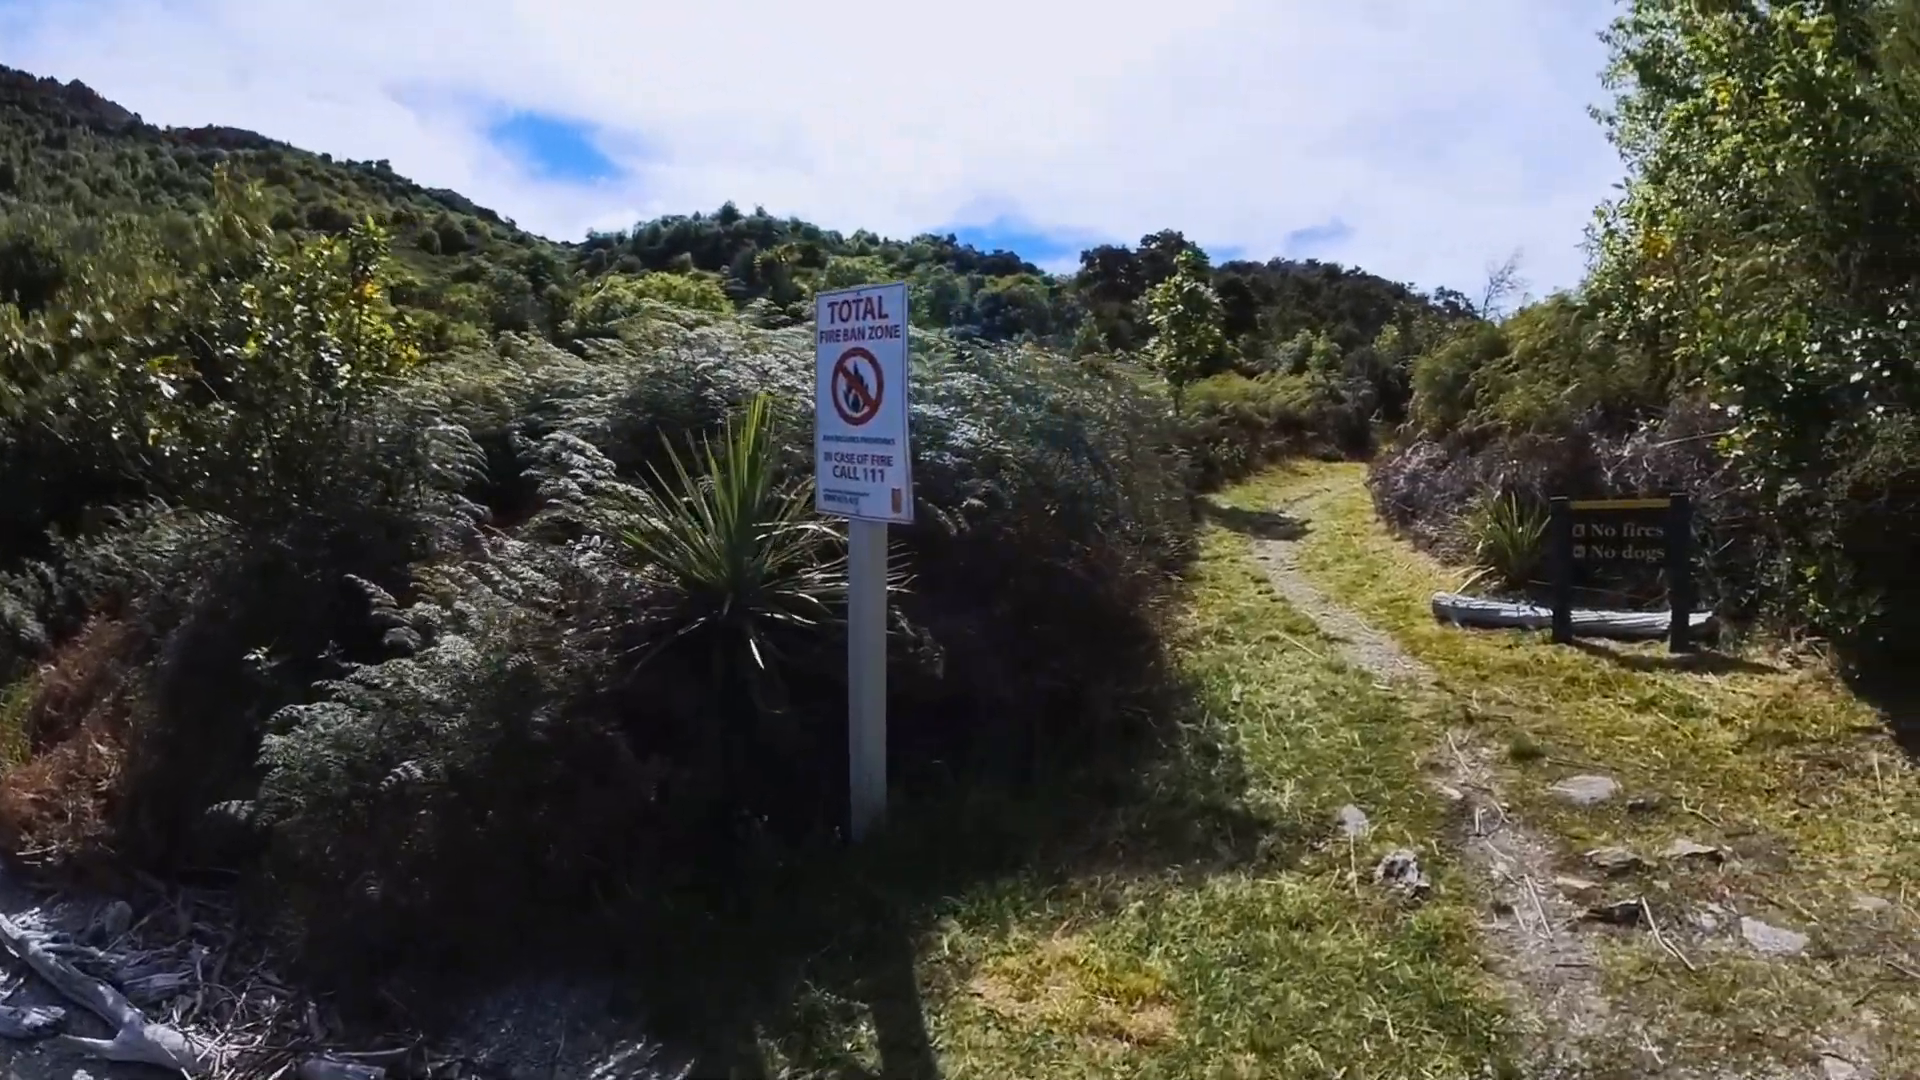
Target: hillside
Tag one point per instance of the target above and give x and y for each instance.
(66, 153)
(396, 607)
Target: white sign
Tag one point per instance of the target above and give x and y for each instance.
(863, 464)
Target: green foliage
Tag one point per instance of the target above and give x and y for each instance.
(1231, 425)
(847, 271)
(607, 301)
(1185, 315)
(258, 405)
(1765, 244)
(745, 557)
(393, 798)
(66, 149)
(1443, 379)
(503, 713)
(206, 369)
(1508, 535)
(1549, 368)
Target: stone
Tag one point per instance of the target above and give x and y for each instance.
(1618, 912)
(1684, 848)
(1576, 887)
(1615, 860)
(1586, 790)
(1353, 821)
(1771, 940)
(1707, 921)
(1400, 871)
(1871, 905)
(1835, 1067)
(112, 921)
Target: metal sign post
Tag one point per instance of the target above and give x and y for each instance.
(863, 471)
(866, 675)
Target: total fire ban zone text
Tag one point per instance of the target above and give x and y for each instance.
(863, 464)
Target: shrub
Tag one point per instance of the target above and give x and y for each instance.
(754, 577)
(1508, 536)
(432, 798)
(1430, 489)
(552, 702)
(608, 300)
(67, 730)
(1443, 378)
(1232, 425)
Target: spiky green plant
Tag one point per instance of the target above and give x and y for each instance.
(1509, 537)
(753, 569)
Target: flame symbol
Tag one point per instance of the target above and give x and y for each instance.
(856, 391)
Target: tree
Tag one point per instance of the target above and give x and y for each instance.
(1504, 283)
(1111, 284)
(1765, 244)
(1186, 316)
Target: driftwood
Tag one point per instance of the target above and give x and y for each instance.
(328, 1068)
(134, 1041)
(1616, 625)
(34, 1023)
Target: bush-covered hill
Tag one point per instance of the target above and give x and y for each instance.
(66, 153)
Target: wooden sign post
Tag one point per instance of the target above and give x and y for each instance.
(1623, 532)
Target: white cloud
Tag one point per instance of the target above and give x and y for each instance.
(1446, 133)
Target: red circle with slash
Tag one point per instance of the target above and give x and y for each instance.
(856, 393)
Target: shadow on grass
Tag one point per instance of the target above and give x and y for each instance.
(1895, 695)
(1259, 524)
(1700, 661)
(795, 950)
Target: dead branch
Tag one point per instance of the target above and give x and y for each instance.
(134, 1041)
(33, 1023)
(1660, 938)
(329, 1068)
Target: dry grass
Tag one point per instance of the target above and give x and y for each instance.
(15, 700)
(1774, 762)
(65, 731)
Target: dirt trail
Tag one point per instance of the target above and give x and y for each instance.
(1532, 915)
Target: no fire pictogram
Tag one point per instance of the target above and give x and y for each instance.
(857, 386)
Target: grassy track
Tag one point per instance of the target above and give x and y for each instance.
(1269, 952)
(1774, 762)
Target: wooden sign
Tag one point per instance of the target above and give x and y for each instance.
(1623, 533)
(1620, 531)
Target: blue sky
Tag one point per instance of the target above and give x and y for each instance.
(554, 147)
(1419, 139)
